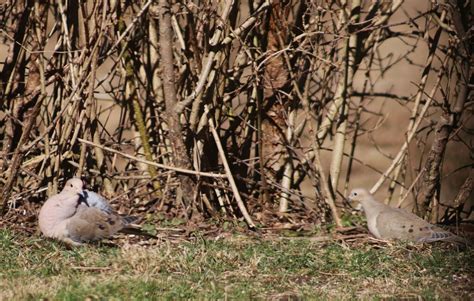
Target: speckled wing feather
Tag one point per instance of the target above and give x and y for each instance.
(399, 224)
(90, 223)
(93, 199)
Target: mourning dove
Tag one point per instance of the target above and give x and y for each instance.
(385, 222)
(69, 217)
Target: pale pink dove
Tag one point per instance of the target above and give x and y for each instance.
(385, 222)
(68, 217)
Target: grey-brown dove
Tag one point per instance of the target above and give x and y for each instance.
(385, 222)
(68, 217)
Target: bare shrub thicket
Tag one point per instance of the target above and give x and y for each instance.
(223, 108)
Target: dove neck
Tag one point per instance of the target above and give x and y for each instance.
(371, 206)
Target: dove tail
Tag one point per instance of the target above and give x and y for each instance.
(136, 231)
(127, 219)
(447, 236)
(460, 240)
(130, 229)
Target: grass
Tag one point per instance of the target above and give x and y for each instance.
(236, 267)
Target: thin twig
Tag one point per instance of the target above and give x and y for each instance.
(177, 169)
(233, 185)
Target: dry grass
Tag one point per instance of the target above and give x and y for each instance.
(236, 267)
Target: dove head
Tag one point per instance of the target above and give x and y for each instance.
(359, 194)
(362, 197)
(74, 185)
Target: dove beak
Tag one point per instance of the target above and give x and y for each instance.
(347, 201)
